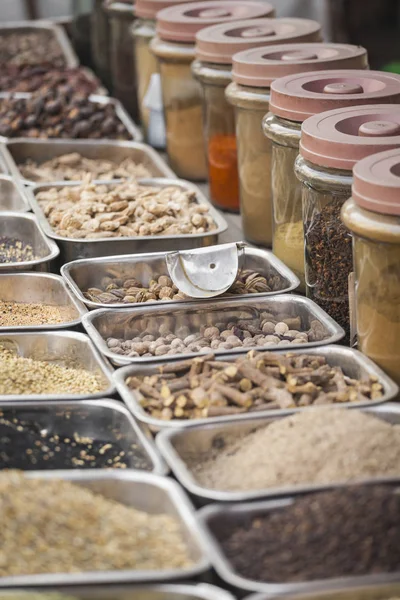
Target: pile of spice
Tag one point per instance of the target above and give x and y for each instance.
(94, 211)
(113, 290)
(33, 78)
(329, 445)
(204, 387)
(30, 48)
(161, 336)
(28, 443)
(340, 533)
(13, 314)
(14, 250)
(74, 167)
(56, 114)
(20, 375)
(72, 530)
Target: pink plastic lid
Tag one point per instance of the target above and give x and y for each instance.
(340, 138)
(300, 96)
(219, 43)
(147, 9)
(376, 182)
(259, 67)
(181, 23)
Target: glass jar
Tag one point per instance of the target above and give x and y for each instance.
(100, 41)
(143, 31)
(331, 144)
(373, 217)
(182, 96)
(215, 47)
(81, 30)
(122, 64)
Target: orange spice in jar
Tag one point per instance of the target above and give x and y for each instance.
(222, 169)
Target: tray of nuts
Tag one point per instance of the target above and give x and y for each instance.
(177, 394)
(33, 42)
(51, 365)
(37, 301)
(150, 333)
(44, 161)
(122, 281)
(12, 195)
(57, 114)
(23, 246)
(122, 217)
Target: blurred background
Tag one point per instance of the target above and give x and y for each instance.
(374, 24)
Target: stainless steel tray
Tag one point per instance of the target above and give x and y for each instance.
(83, 274)
(4, 170)
(63, 348)
(167, 591)
(24, 226)
(51, 416)
(40, 150)
(40, 288)
(12, 195)
(121, 113)
(176, 444)
(117, 323)
(72, 249)
(71, 60)
(353, 363)
(217, 516)
(143, 491)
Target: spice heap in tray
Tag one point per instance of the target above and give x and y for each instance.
(229, 379)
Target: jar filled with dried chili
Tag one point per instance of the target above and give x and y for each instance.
(174, 46)
(331, 144)
(373, 216)
(215, 47)
(253, 72)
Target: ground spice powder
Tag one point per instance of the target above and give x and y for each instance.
(14, 314)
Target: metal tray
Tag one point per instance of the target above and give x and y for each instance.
(121, 113)
(353, 363)
(4, 170)
(40, 288)
(24, 226)
(118, 323)
(72, 249)
(83, 274)
(168, 591)
(390, 588)
(63, 348)
(215, 517)
(175, 444)
(144, 491)
(12, 197)
(51, 416)
(18, 151)
(71, 60)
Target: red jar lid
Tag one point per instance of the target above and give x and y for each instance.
(339, 138)
(376, 183)
(259, 67)
(300, 96)
(219, 43)
(181, 23)
(147, 9)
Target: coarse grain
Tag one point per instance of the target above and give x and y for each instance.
(72, 530)
(14, 250)
(344, 532)
(328, 445)
(20, 375)
(13, 314)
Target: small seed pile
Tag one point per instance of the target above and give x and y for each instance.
(323, 446)
(14, 314)
(72, 530)
(91, 211)
(340, 533)
(74, 167)
(30, 48)
(13, 250)
(204, 387)
(26, 442)
(161, 336)
(19, 375)
(160, 288)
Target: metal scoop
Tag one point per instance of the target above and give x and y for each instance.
(206, 272)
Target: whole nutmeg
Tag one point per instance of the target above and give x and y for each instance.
(113, 343)
(225, 334)
(165, 281)
(268, 327)
(272, 338)
(211, 332)
(163, 349)
(140, 348)
(281, 328)
(166, 292)
(234, 341)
